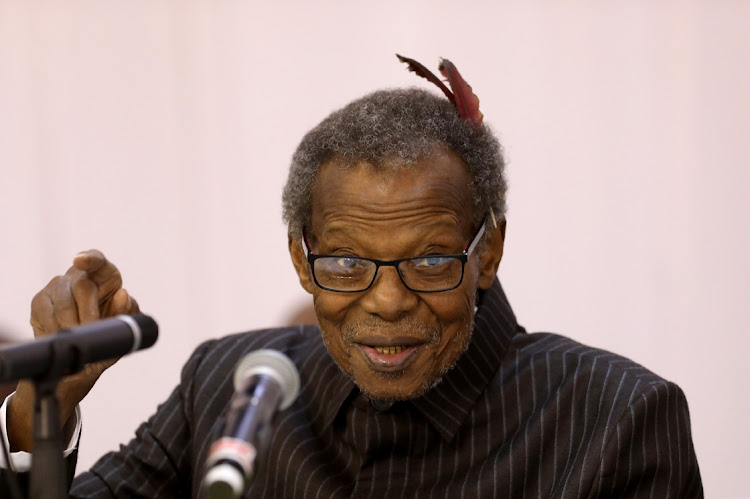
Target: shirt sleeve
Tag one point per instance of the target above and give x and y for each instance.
(160, 460)
(21, 461)
(651, 449)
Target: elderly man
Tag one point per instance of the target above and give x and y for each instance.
(418, 380)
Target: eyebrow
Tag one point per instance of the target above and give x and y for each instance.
(431, 237)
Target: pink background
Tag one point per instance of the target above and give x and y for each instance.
(160, 132)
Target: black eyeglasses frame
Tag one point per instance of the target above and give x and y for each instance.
(462, 257)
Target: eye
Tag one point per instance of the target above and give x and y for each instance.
(429, 262)
(348, 263)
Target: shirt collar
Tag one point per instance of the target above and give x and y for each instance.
(447, 404)
(331, 386)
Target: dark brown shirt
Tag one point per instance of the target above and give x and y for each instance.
(521, 415)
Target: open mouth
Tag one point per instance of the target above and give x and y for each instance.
(389, 350)
(389, 358)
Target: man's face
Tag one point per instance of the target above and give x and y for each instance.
(395, 343)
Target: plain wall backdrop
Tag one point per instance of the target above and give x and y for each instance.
(160, 133)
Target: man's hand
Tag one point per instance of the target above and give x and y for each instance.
(90, 290)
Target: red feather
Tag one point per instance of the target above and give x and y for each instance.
(422, 71)
(465, 101)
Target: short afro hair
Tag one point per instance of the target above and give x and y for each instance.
(404, 125)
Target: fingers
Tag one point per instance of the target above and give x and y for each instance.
(86, 296)
(94, 270)
(89, 290)
(90, 261)
(100, 271)
(43, 315)
(120, 302)
(134, 308)
(64, 306)
(64, 303)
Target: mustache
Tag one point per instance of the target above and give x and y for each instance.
(406, 326)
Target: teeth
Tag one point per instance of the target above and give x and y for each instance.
(389, 350)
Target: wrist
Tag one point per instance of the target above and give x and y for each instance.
(20, 418)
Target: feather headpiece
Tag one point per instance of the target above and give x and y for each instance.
(462, 95)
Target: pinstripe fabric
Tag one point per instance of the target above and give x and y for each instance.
(521, 415)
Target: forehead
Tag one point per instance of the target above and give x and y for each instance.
(434, 191)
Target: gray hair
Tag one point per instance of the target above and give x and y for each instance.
(405, 125)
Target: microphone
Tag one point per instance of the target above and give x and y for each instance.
(70, 349)
(265, 381)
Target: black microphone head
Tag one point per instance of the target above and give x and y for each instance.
(269, 363)
(144, 328)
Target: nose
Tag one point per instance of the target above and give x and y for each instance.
(388, 297)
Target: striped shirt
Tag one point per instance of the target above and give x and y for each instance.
(520, 415)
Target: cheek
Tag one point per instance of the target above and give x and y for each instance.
(471, 273)
(331, 310)
(454, 314)
(453, 307)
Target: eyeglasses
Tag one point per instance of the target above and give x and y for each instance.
(424, 274)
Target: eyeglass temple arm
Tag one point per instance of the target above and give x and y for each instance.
(476, 240)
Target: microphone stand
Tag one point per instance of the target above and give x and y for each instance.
(46, 361)
(48, 471)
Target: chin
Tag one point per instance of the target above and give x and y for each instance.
(391, 388)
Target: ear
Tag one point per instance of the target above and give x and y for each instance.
(301, 265)
(491, 255)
